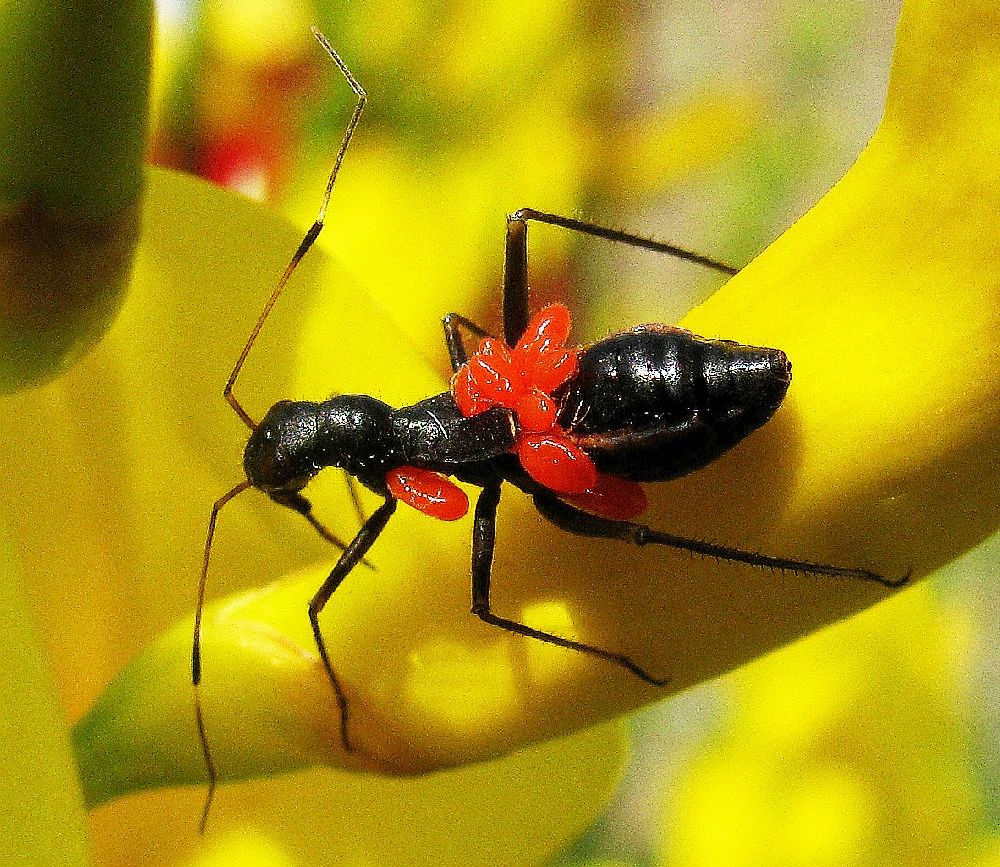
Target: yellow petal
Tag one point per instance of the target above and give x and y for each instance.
(884, 296)
(847, 749)
(43, 820)
(109, 509)
(883, 457)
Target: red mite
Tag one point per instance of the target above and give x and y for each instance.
(523, 379)
(575, 429)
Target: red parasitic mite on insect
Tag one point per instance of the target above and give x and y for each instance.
(576, 428)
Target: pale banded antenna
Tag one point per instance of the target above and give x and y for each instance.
(299, 504)
(310, 236)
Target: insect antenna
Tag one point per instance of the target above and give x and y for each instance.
(233, 401)
(196, 648)
(310, 236)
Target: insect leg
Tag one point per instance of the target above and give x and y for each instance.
(573, 520)
(311, 235)
(483, 538)
(453, 337)
(297, 503)
(352, 489)
(617, 236)
(515, 279)
(348, 560)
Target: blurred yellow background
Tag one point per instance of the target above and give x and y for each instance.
(711, 125)
(715, 126)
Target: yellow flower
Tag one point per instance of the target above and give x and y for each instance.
(42, 811)
(847, 749)
(881, 298)
(116, 514)
(110, 469)
(884, 456)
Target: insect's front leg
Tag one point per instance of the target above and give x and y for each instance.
(353, 555)
(581, 523)
(483, 540)
(297, 503)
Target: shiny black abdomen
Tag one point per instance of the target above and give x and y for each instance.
(657, 402)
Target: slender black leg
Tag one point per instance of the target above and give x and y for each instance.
(298, 503)
(573, 520)
(348, 560)
(352, 489)
(483, 538)
(457, 352)
(515, 271)
(617, 236)
(515, 279)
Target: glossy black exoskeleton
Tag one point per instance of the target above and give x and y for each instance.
(658, 402)
(646, 405)
(366, 438)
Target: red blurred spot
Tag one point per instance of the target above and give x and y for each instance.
(239, 160)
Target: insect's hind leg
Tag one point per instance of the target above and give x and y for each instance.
(515, 272)
(483, 539)
(515, 296)
(515, 279)
(581, 523)
(619, 237)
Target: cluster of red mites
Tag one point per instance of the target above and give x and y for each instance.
(523, 379)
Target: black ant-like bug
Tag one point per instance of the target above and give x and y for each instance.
(575, 428)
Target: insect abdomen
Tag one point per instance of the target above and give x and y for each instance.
(658, 402)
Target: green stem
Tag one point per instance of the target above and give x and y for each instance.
(74, 83)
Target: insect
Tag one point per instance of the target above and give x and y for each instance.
(577, 429)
